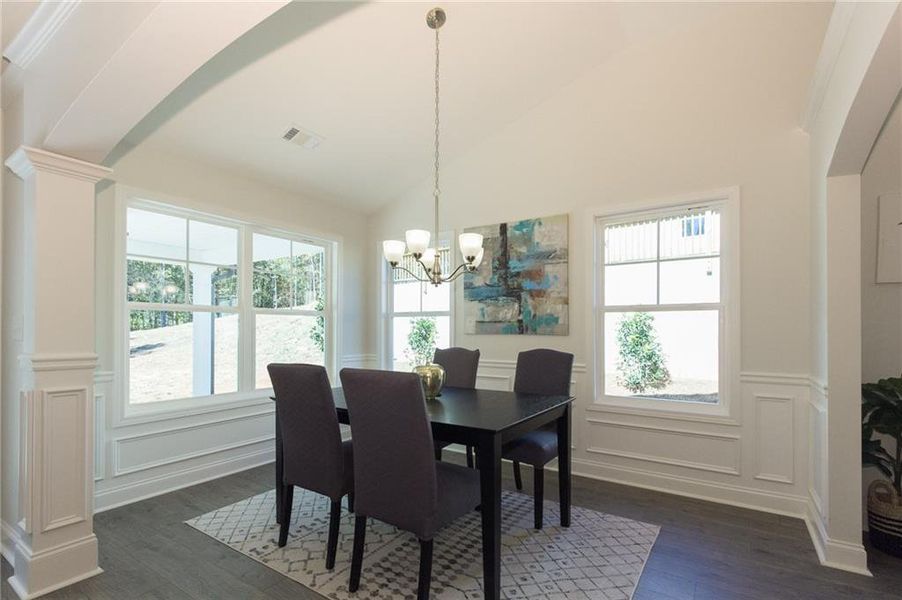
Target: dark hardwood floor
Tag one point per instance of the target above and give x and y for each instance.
(705, 551)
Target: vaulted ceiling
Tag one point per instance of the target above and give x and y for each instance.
(361, 76)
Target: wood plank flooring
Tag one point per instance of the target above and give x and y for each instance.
(705, 551)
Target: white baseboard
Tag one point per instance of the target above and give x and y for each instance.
(846, 556)
(106, 499)
(45, 571)
(8, 538)
(16, 585)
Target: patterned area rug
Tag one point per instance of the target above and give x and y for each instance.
(599, 557)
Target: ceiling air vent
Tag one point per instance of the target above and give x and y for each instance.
(302, 137)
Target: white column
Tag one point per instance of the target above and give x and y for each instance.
(54, 539)
(202, 292)
(844, 368)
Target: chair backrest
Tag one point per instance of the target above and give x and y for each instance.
(460, 366)
(544, 371)
(311, 439)
(394, 456)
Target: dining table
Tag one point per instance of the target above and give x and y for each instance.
(486, 420)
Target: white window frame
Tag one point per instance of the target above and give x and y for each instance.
(247, 395)
(727, 201)
(388, 314)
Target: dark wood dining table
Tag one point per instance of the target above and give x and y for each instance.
(486, 420)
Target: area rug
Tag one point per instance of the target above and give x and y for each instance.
(599, 556)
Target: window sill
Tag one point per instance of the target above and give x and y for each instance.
(134, 414)
(665, 409)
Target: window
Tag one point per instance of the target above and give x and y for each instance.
(211, 302)
(663, 307)
(289, 303)
(419, 315)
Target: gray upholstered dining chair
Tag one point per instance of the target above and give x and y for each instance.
(545, 372)
(396, 477)
(314, 456)
(460, 366)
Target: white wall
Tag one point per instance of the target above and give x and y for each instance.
(700, 109)
(881, 304)
(136, 458)
(856, 33)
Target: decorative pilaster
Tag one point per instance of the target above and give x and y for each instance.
(55, 543)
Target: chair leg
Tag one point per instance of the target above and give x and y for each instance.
(538, 476)
(357, 552)
(285, 517)
(438, 453)
(350, 502)
(332, 542)
(470, 457)
(518, 478)
(425, 570)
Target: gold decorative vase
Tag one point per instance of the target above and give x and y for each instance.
(433, 378)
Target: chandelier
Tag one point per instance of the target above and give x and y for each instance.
(428, 257)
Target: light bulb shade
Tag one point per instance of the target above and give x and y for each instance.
(428, 257)
(470, 244)
(417, 240)
(479, 256)
(393, 250)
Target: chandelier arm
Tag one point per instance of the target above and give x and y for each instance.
(457, 272)
(412, 274)
(423, 265)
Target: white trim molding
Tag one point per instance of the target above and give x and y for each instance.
(141, 489)
(720, 493)
(58, 362)
(845, 556)
(728, 201)
(840, 20)
(26, 160)
(47, 19)
(360, 361)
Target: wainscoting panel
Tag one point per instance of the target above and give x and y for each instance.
(675, 447)
(153, 455)
(487, 381)
(144, 451)
(758, 460)
(63, 422)
(359, 361)
(775, 438)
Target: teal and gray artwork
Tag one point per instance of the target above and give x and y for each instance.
(521, 287)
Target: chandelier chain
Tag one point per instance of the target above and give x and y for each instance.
(436, 192)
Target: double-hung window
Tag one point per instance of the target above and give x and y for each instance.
(666, 282)
(419, 314)
(212, 301)
(289, 285)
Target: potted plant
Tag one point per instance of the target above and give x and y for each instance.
(420, 350)
(881, 413)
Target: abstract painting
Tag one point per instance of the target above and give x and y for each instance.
(521, 287)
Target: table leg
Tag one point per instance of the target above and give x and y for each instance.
(490, 482)
(279, 467)
(563, 449)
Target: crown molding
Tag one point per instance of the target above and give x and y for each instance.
(837, 28)
(43, 25)
(25, 161)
